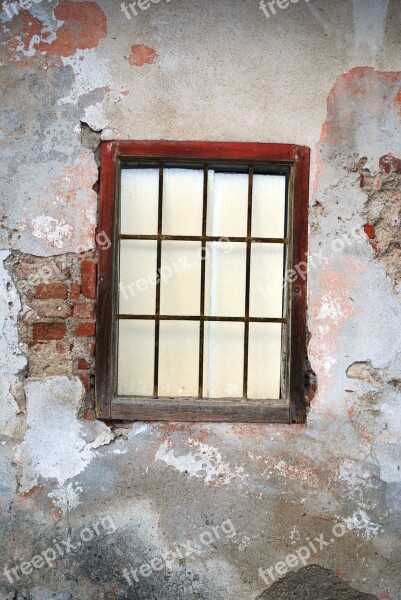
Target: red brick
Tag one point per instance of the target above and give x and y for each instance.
(92, 350)
(88, 278)
(86, 380)
(42, 332)
(85, 329)
(75, 291)
(83, 365)
(84, 310)
(390, 164)
(61, 349)
(44, 291)
(89, 415)
(52, 309)
(370, 231)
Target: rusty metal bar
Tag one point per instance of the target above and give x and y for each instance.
(203, 238)
(203, 281)
(158, 267)
(247, 284)
(205, 318)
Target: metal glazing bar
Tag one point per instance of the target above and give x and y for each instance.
(204, 238)
(158, 266)
(247, 284)
(205, 318)
(203, 281)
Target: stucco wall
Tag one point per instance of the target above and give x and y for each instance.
(318, 73)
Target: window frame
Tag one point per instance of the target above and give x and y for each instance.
(110, 406)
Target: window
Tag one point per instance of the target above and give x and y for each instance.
(201, 311)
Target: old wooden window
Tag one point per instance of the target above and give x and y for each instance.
(201, 299)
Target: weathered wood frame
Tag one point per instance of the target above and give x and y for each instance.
(110, 406)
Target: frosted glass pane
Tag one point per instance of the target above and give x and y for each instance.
(264, 360)
(223, 360)
(136, 358)
(268, 206)
(225, 279)
(182, 201)
(266, 280)
(137, 277)
(180, 277)
(227, 204)
(178, 358)
(139, 201)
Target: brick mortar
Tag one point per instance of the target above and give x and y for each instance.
(36, 278)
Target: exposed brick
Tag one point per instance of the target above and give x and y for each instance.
(44, 291)
(83, 310)
(85, 329)
(75, 291)
(88, 278)
(89, 414)
(83, 365)
(390, 164)
(310, 392)
(61, 349)
(52, 308)
(42, 332)
(92, 350)
(86, 380)
(370, 231)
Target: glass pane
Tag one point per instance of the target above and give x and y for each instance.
(227, 204)
(136, 342)
(223, 360)
(225, 279)
(182, 201)
(264, 360)
(266, 280)
(138, 262)
(180, 278)
(178, 358)
(139, 201)
(268, 206)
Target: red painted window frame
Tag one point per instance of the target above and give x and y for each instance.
(110, 407)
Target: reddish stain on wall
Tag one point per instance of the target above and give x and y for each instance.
(18, 36)
(85, 24)
(359, 94)
(142, 55)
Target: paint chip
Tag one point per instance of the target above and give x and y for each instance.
(142, 55)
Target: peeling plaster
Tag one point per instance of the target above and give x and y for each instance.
(12, 360)
(206, 462)
(56, 445)
(361, 523)
(365, 372)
